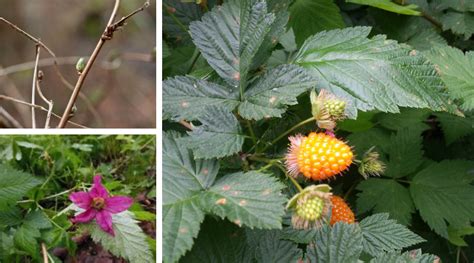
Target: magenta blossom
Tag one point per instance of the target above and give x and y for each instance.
(99, 205)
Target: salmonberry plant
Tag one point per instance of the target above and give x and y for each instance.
(77, 198)
(316, 131)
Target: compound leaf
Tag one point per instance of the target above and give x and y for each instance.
(371, 73)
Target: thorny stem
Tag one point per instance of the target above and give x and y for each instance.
(33, 87)
(287, 132)
(107, 35)
(38, 107)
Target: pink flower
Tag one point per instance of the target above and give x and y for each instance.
(99, 205)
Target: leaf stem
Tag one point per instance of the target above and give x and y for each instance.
(175, 19)
(252, 133)
(295, 183)
(194, 60)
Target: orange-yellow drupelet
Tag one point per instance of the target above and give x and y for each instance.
(318, 156)
(341, 212)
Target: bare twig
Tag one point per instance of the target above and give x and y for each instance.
(49, 102)
(44, 251)
(33, 87)
(3, 97)
(107, 35)
(8, 119)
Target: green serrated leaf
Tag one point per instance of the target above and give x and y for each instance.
(407, 118)
(298, 235)
(381, 234)
(25, 240)
(10, 217)
(324, 15)
(414, 256)
(363, 141)
(390, 6)
(456, 235)
(185, 13)
(340, 243)
(385, 195)
(129, 241)
(444, 194)
(252, 199)
(187, 97)
(455, 127)
(371, 73)
(405, 153)
(270, 247)
(230, 36)
(183, 179)
(218, 136)
(14, 184)
(457, 71)
(271, 94)
(220, 241)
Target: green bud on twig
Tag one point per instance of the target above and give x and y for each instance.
(80, 65)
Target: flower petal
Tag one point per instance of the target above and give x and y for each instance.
(81, 199)
(104, 219)
(98, 190)
(85, 217)
(117, 204)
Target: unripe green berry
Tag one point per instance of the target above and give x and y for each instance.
(335, 107)
(311, 209)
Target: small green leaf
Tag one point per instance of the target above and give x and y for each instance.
(385, 195)
(405, 152)
(340, 243)
(444, 194)
(381, 234)
(14, 184)
(25, 240)
(218, 136)
(389, 6)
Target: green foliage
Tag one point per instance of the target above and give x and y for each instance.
(382, 234)
(341, 243)
(14, 185)
(376, 74)
(252, 199)
(241, 77)
(456, 70)
(308, 17)
(385, 195)
(443, 193)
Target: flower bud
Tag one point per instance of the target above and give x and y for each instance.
(311, 207)
(371, 165)
(80, 65)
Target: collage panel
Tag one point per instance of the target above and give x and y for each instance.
(78, 198)
(77, 64)
(318, 131)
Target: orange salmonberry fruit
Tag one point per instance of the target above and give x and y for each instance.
(318, 156)
(341, 212)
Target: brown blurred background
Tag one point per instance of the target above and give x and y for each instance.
(120, 88)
